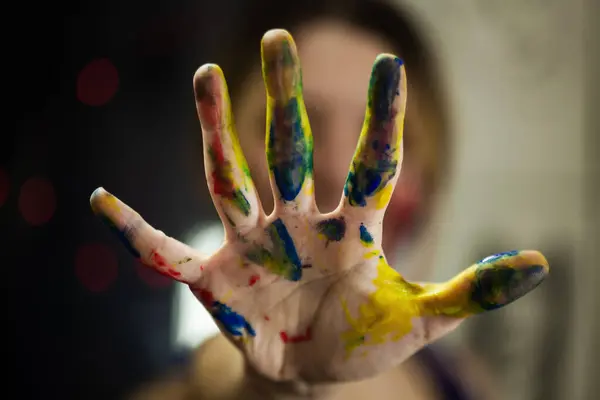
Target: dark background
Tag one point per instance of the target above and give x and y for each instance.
(83, 331)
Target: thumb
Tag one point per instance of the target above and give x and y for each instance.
(491, 283)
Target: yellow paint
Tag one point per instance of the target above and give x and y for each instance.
(227, 296)
(111, 203)
(240, 172)
(386, 315)
(382, 198)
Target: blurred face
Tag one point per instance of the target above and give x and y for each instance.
(336, 63)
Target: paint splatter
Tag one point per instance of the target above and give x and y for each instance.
(387, 314)
(253, 279)
(365, 236)
(305, 337)
(376, 159)
(223, 181)
(163, 266)
(232, 322)
(332, 230)
(283, 259)
(497, 285)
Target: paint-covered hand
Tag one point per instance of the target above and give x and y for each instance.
(306, 296)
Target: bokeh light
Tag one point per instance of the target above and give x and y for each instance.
(96, 266)
(97, 82)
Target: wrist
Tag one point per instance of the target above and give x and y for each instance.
(268, 389)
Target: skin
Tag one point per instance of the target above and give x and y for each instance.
(337, 59)
(309, 298)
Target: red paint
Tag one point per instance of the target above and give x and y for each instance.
(96, 267)
(37, 201)
(97, 82)
(253, 279)
(164, 267)
(205, 296)
(222, 185)
(211, 105)
(295, 339)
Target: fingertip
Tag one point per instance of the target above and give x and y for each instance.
(274, 37)
(207, 80)
(96, 198)
(208, 69)
(534, 257)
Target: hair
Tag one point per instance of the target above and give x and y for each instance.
(239, 54)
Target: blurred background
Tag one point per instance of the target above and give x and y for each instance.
(101, 95)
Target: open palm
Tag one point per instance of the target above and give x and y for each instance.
(308, 296)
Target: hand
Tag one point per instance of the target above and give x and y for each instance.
(306, 296)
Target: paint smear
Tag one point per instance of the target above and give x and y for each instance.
(283, 259)
(253, 279)
(376, 159)
(365, 237)
(223, 181)
(163, 266)
(386, 315)
(305, 337)
(332, 230)
(234, 323)
(289, 138)
(496, 286)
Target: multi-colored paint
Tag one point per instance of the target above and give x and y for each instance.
(377, 155)
(289, 137)
(235, 324)
(365, 237)
(230, 172)
(332, 230)
(498, 283)
(490, 284)
(282, 259)
(111, 204)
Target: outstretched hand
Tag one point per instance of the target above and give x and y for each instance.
(307, 296)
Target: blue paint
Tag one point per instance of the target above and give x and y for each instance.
(284, 244)
(365, 236)
(493, 258)
(365, 181)
(496, 286)
(283, 259)
(334, 229)
(125, 236)
(385, 79)
(289, 153)
(371, 173)
(234, 323)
